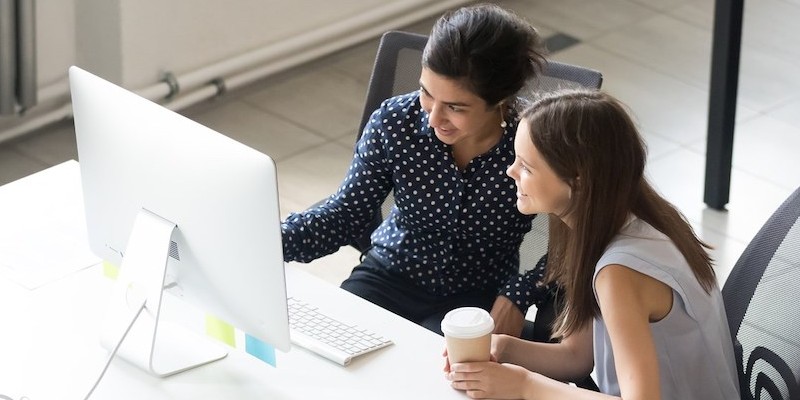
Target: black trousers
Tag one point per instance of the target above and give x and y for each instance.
(371, 281)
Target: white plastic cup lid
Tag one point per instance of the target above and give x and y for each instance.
(467, 323)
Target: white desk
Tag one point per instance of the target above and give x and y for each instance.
(49, 349)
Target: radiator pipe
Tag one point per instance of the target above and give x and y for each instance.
(8, 56)
(26, 54)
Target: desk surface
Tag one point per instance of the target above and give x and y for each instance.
(49, 349)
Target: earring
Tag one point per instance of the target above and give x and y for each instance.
(503, 124)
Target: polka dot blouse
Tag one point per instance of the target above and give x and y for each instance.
(450, 231)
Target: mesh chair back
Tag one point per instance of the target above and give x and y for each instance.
(557, 75)
(396, 71)
(762, 300)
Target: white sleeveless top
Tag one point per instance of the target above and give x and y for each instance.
(693, 343)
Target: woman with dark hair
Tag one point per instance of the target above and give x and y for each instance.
(642, 305)
(453, 237)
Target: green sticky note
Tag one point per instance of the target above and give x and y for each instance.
(220, 330)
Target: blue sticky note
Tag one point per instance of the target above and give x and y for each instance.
(259, 349)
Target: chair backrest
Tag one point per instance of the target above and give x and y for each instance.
(396, 71)
(762, 300)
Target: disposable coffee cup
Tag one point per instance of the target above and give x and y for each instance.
(468, 334)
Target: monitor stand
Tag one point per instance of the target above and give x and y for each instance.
(159, 347)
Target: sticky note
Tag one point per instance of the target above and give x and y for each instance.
(259, 349)
(110, 270)
(220, 330)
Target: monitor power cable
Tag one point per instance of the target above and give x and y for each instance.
(139, 307)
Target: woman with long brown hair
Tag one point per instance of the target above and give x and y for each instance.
(642, 306)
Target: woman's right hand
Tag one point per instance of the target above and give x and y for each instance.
(492, 356)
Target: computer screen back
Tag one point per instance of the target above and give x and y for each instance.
(227, 256)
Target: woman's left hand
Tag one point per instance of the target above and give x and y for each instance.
(483, 380)
(508, 319)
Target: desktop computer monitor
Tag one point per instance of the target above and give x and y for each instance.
(182, 209)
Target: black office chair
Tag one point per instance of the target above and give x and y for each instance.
(762, 299)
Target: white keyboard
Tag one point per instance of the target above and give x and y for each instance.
(328, 337)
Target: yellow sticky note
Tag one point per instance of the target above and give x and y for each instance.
(110, 270)
(220, 330)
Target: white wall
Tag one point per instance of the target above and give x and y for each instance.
(134, 42)
(55, 35)
(184, 35)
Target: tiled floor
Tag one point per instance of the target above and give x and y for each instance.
(654, 55)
